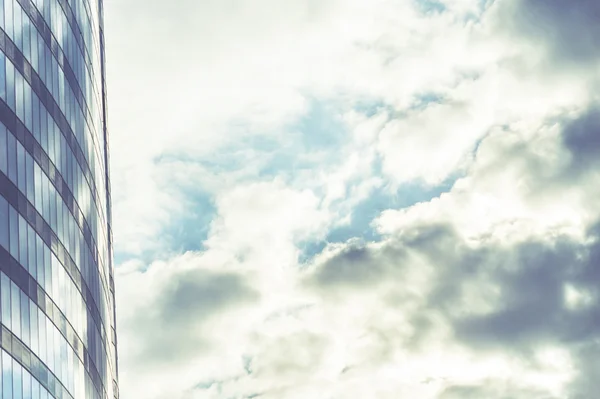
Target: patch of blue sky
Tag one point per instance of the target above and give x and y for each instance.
(419, 103)
(265, 156)
(189, 231)
(321, 128)
(372, 108)
(360, 225)
(185, 232)
(310, 142)
(247, 361)
(206, 384)
(482, 7)
(305, 144)
(430, 6)
(434, 7)
(424, 100)
(120, 258)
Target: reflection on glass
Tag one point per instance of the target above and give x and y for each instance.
(55, 300)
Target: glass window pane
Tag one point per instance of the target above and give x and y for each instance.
(26, 385)
(17, 381)
(15, 302)
(4, 240)
(12, 158)
(5, 298)
(13, 220)
(2, 75)
(3, 149)
(25, 330)
(23, 242)
(21, 170)
(7, 391)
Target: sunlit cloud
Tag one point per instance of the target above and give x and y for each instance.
(342, 199)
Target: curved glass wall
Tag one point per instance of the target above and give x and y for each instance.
(56, 285)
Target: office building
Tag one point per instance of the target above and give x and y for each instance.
(58, 335)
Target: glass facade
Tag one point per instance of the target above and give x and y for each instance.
(57, 335)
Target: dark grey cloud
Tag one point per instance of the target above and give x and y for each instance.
(170, 327)
(581, 136)
(199, 294)
(569, 28)
(586, 384)
(360, 264)
(357, 265)
(492, 390)
(531, 276)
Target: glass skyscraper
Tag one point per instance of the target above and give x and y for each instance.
(56, 280)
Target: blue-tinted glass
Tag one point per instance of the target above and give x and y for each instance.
(36, 117)
(7, 375)
(15, 302)
(8, 18)
(26, 38)
(29, 177)
(13, 220)
(12, 158)
(17, 381)
(31, 257)
(3, 150)
(23, 243)
(28, 107)
(25, 325)
(21, 169)
(38, 111)
(1, 16)
(10, 84)
(47, 270)
(45, 198)
(43, 353)
(34, 49)
(19, 101)
(18, 26)
(5, 298)
(41, 256)
(33, 319)
(53, 205)
(37, 181)
(2, 76)
(44, 129)
(4, 241)
(26, 385)
(35, 389)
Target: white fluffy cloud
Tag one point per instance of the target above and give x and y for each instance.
(487, 290)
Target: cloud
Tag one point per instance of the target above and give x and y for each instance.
(581, 137)
(348, 267)
(570, 33)
(493, 301)
(170, 334)
(437, 159)
(169, 316)
(493, 389)
(325, 50)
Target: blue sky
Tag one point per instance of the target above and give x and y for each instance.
(348, 198)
